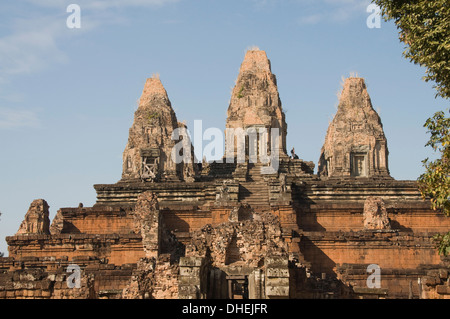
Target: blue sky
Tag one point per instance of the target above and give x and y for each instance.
(67, 96)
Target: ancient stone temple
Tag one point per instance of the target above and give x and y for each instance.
(259, 224)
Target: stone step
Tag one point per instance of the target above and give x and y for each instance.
(254, 188)
(254, 193)
(254, 172)
(251, 195)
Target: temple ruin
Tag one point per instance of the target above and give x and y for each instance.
(241, 227)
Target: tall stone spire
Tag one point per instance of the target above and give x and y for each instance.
(355, 144)
(148, 153)
(255, 102)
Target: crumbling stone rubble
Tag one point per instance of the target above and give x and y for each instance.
(156, 274)
(248, 241)
(154, 278)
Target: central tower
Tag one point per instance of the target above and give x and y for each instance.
(255, 107)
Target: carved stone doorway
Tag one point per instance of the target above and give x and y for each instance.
(359, 164)
(237, 287)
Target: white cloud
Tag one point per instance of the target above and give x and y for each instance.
(101, 4)
(105, 4)
(13, 119)
(332, 11)
(33, 43)
(35, 39)
(30, 49)
(311, 19)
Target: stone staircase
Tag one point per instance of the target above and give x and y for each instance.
(254, 173)
(254, 194)
(254, 190)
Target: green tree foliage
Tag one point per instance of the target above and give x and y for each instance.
(443, 243)
(424, 27)
(435, 182)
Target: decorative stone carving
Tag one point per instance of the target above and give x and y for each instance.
(36, 220)
(206, 167)
(223, 192)
(249, 240)
(277, 277)
(355, 144)
(234, 215)
(375, 214)
(193, 273)
(283, 186)
(188, 174)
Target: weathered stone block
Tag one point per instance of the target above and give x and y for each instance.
(277, 282)
(277, 272)
(430, 280)
(273, 262)
(443, 289)
(277, 291)
(189, 280)
(190, 271)
(191, 261)
(189, 291)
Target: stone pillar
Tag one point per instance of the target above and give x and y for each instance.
(192, 280)
(256, 285)
(147, 222)
(151, 234)
(276, 277)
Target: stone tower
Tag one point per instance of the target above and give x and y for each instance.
(355, 144)
(36, 219)
(255, 103)
(153, 138)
